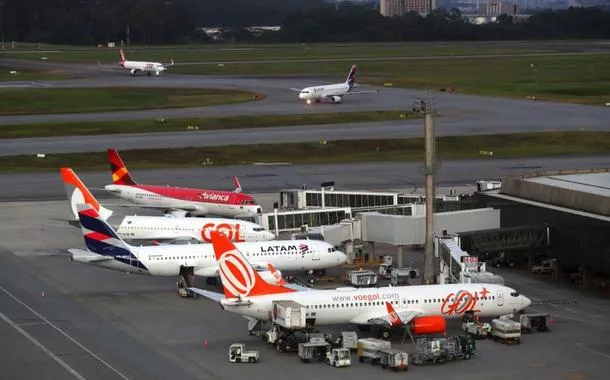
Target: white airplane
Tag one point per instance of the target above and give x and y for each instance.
(332, 92)
(106, 249)
(145, 67)
(161, 228)
(424, 307)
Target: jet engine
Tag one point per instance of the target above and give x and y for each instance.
(428, 325)
(336, 99)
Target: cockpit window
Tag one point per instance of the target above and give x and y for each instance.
(258, 229)
(515, 294)
(331, 250)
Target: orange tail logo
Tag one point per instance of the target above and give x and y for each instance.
(120, 174)
(394, 318)
(73, 183)
(122, 56)
(238, 277)
(277, 276)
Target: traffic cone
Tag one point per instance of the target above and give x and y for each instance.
(42, 294)
(205, 342)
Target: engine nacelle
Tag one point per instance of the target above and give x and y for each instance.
(336, 99)
(428, 325)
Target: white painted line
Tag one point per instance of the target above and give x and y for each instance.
(572, 310)
(64, 334)
(592, 350)
(31, 324)
(42, 347)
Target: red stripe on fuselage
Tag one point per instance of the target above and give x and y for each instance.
(198, 195)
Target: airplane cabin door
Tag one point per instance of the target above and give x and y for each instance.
(315, 254)
(500, 298)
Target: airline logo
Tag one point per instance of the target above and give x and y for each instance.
(394, 318)
(303, 248)
(462, 301)
(232, 232)
(351, 78)
(277, 276)
(238, 275)
(213, 197)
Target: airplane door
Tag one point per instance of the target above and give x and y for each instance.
(315, 254)
(500, 298)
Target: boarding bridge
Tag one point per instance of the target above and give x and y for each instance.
(504, 239)
(457, 266)
(288, 221)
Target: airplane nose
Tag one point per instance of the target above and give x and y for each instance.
(341, 257)
(269, 236)
(525, 302)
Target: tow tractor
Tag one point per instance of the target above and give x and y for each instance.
(239, 354)
(339, 357)
(440, 350)
(477, 329)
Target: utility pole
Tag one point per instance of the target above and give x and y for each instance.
(429, 172)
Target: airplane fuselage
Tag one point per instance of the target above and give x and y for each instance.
(323, 92)
(195, 201)
(351, 305)
(153, 67)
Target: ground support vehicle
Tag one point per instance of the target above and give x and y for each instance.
(313, 350)
(395, 360)
(287, 326)
(348, 339)
(535, 321)
(506, 330)
(239, 354)
(369, 348)
(339, 357)
(477, 330)
(361, 278)
(440, 350)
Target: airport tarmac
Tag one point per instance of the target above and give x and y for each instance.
(140, 328)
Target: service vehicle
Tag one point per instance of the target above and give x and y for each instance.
(369, 348)
(288, 325)
(474, 327)
(385, 268)
(440, 350)
(395, 360)
(535, 321)
(339, 357)
(402, 276)
(545, 266)
(361, 278)
(314, 349)
(239, 354)
(506, 331)
(348, 339)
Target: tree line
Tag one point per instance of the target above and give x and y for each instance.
(91, 22)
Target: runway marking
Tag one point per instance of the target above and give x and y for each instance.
(572, 310)
(64, 333)
(42, 347)
(32, 324)
(593, 350)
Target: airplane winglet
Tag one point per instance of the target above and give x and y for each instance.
(237, 185)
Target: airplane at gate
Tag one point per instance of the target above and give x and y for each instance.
(161, 228)
(425, 307)
(332, 92)
(145, 67)
(180, 200)
(106, 249)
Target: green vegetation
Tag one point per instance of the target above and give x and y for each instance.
(28, 74)
(59, 100)
(232, 122)
(453, 147)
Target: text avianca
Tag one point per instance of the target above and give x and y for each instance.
(106, 249)
(180, 200)
(426, 307)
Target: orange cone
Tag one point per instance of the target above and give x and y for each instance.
(205, 343)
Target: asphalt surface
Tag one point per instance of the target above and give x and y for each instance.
(407, 176)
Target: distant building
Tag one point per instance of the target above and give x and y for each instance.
(393, 8)
(497, 7)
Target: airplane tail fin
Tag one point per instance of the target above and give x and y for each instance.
(351, 77)
(394, 318)
(122, 61)
(120, 174)
(100, 238)
(77, 193)
(277, 276)
(238, 277)
(237, 185)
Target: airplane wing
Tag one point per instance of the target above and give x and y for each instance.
(170, 64)
(86, 256)
(362, 92)
(295, 89)
(173, 211)
(208, 294)
(383, 318)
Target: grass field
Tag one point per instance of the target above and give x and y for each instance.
(455, 147)
(232, 122)
(26, 74)
(60, 100)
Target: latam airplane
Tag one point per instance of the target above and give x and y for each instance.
(106, 249)
(424, 307)
(180, 201)
(145, 67)
(161, 228)
(333, 92)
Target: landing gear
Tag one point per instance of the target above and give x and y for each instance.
(186, 277)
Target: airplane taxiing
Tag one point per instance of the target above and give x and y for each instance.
(161, 228)
(424, 307)
(145, 67)
(106, 249)
(180, 200)
(332, 92)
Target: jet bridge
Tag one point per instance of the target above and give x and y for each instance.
(457, 266)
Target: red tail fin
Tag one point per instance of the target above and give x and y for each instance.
(122, 57)
(394, 318)
(120, 174)
(277, 276)
(238, 277)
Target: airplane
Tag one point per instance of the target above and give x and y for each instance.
(332, 92)
(161, 228)
(106, 249)
(145, 67)
(180, 201)
(425, 307)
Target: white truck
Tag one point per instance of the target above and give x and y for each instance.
(403, 276)
(288, 318)
(394, 359)
(506, 330)
(369, 348)
(361, 278)
(239, 354)
(339, 357)
(479, 330)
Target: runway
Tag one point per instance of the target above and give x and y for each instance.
(403, 176)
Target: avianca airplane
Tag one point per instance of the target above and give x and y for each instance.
(332, 92)
(161, 228)
(180, 200)
(106, 249)
(425, 307)
(145, 67)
